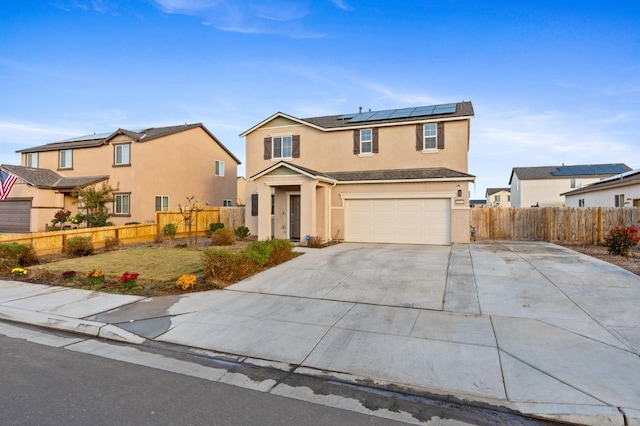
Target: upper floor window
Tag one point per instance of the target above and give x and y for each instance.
(509, 198)
(65, 159)
(430, 136)
(619, 200)
(498, 197)
(219, 168)
(121, 204)
(282, 146)
(576, 183)
(32, 160)
(366, 141)
(122, 156)
(162, 203)
(227, 203)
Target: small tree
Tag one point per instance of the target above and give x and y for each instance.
(93, 200)
(187, 213)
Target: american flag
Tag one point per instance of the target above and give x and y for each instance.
(6, 182)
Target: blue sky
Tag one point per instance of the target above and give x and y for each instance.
(551, 82)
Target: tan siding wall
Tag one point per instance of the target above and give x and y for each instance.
(180, 165)
(333, 151)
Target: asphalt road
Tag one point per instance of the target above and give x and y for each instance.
(43, 385)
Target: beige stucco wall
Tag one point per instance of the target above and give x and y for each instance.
(504, 199)
(333, 151)
(179, 165)
(328, 223)
(546, 192)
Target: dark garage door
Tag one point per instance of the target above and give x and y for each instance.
(15, 216)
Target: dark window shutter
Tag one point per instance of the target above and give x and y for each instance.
(295, 146)
(374, 142)
(356, 141)
(419, 137)
(440, 132)
(254, 204)
(267, 148)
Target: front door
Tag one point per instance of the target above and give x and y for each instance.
(294, 217)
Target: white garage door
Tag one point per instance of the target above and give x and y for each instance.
(406, 221)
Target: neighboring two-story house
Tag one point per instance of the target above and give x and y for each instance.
(544, 186)
(622, 190)
(154, 169)
(498, 197)
(393, 176)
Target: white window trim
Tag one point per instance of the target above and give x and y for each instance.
(32, 155)
(162, 197)
(370, 142)
(273, 147)
(218, 168)
(115, 154)
(66, 166)
(434, 136)
(115, 204)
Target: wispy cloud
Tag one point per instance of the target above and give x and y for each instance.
(247, 16)
(340, 4)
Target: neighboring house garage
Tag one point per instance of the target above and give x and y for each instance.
(15, 216)
(398, 220)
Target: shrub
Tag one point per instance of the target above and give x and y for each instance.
(14, 254)
(69, 275)
(282, 252)
(170, 230)
(223, 237)
(213, 227)
(158, 238)
(242, 232)
(78, 246)
(259, 251)
(223, 267)
(620, 240)
(314, 242)
(111, 243)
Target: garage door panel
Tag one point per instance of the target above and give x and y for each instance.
(15, 216)
(408, 221)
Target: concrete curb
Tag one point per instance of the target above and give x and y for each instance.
(73, 325)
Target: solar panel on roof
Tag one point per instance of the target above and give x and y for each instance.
(421, 111)
(365, 116)
(402, 113)
(344, 117)
(595, 169)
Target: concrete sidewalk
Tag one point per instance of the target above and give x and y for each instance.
(532, 327)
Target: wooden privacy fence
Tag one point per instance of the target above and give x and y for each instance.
(589, 225)
(53, 242)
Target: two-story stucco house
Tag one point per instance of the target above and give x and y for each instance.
(498, 197)
(393, 176)
(544, 186)
(622, 190)
(154, 169)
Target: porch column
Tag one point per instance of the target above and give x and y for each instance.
(307, 209)
(264, 212)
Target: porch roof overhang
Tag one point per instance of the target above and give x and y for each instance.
(437, 174)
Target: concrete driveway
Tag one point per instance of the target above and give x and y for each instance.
(529, 325)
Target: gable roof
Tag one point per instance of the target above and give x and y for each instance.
(623, 179)
(142, 135)
(345, 121)
(565, 172)
(491, 191)
(48, 179)
(372, 176)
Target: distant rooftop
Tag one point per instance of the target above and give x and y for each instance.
(563, 172)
